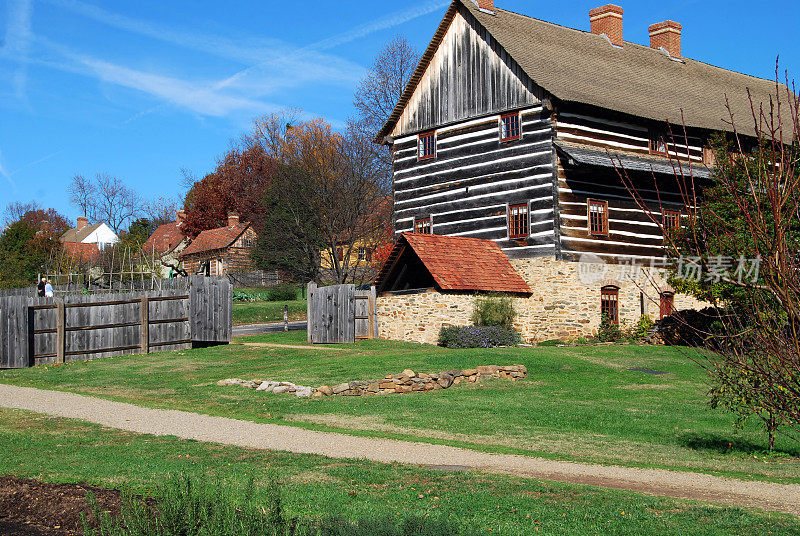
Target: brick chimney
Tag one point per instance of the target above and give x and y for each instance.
(607, 20)
(233, 218)
(488, 5)
(83, 221)
(666, 35)
(180, 216)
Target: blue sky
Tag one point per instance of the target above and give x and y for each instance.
(142, 89)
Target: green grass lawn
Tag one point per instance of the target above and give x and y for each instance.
(51, 449)
(578, 403)
(267, 311)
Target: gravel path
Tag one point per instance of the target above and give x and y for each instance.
(272, 327)
(765, 495)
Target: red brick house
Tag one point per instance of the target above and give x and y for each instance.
(222, 250)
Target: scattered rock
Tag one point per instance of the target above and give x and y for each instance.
(406, 382)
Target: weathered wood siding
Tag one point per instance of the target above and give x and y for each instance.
(467, 188)
(597, 130)
(469, 75)
(632, 235)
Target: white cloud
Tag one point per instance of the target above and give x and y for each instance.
(17, 42)
(5, 174)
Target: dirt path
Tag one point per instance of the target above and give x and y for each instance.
(765, 495)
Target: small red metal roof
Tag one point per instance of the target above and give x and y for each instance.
(459, 263)
(219, 238)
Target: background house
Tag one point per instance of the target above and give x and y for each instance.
(222, 250)
(166, 244)
(85, 242)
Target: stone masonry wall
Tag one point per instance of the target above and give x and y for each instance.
(565, 303)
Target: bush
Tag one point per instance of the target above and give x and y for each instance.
(494, 311)
(188, 508)
(282, 293)
(478, 337)
(642, 328)
(609, 331)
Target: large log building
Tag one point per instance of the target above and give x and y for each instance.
(511, 130)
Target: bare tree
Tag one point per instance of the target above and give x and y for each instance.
(16, 211)
(81, 194)
(749, 212)
(379, 92)
(105, 199)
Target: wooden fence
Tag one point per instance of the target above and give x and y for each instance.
(341, 314)
(36, 330)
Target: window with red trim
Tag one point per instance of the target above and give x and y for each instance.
(598, 217)
(518, 223)
(422, 225)
(658, 143)
(609, 303)
(427, 145)
(509, 127)
(671, 219)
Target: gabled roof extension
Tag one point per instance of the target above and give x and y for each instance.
(212, 239)
(581, 67)
(457, 263)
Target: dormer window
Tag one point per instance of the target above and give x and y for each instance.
(509, 127)
(427, 145)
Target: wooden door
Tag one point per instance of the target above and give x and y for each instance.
(667, 304)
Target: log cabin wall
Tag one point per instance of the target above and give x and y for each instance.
(632, 235)
(466, 188)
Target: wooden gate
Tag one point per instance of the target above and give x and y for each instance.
(341, 314)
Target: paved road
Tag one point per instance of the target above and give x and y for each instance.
(258, 329)
(715, 489)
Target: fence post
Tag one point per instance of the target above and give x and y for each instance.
(310, 310)
(144, 337)
(61, 333)
(285, 317)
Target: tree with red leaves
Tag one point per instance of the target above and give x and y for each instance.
(237, 184)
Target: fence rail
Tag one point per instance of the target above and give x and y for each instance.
(36, 330)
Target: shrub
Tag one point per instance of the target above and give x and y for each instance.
(186, 507)
(282, 293)
(245, 296)
(494, 310)
(609, 331)
(642, 328)
(478, 337)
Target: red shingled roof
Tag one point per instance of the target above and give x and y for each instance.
(458, 263)
(212, 239)
(165, 238)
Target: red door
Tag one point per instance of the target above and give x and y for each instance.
(667, 304)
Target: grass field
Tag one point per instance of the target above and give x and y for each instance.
(267, 311)
(578, 403)
(59, 450)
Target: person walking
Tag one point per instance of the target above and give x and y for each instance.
(40, 287)
(48, 289)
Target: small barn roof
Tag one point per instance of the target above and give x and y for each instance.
(212, 239)
(164, 239)
(455, 263)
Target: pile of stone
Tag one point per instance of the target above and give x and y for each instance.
(300, 391)
(406, 382)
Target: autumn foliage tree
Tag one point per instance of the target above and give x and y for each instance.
(237, 184)
(332, 183)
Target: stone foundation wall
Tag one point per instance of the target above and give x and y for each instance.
(565, 303)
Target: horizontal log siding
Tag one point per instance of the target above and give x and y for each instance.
(632, 234)
(470, 75)
(466, 189)
(623, 136)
